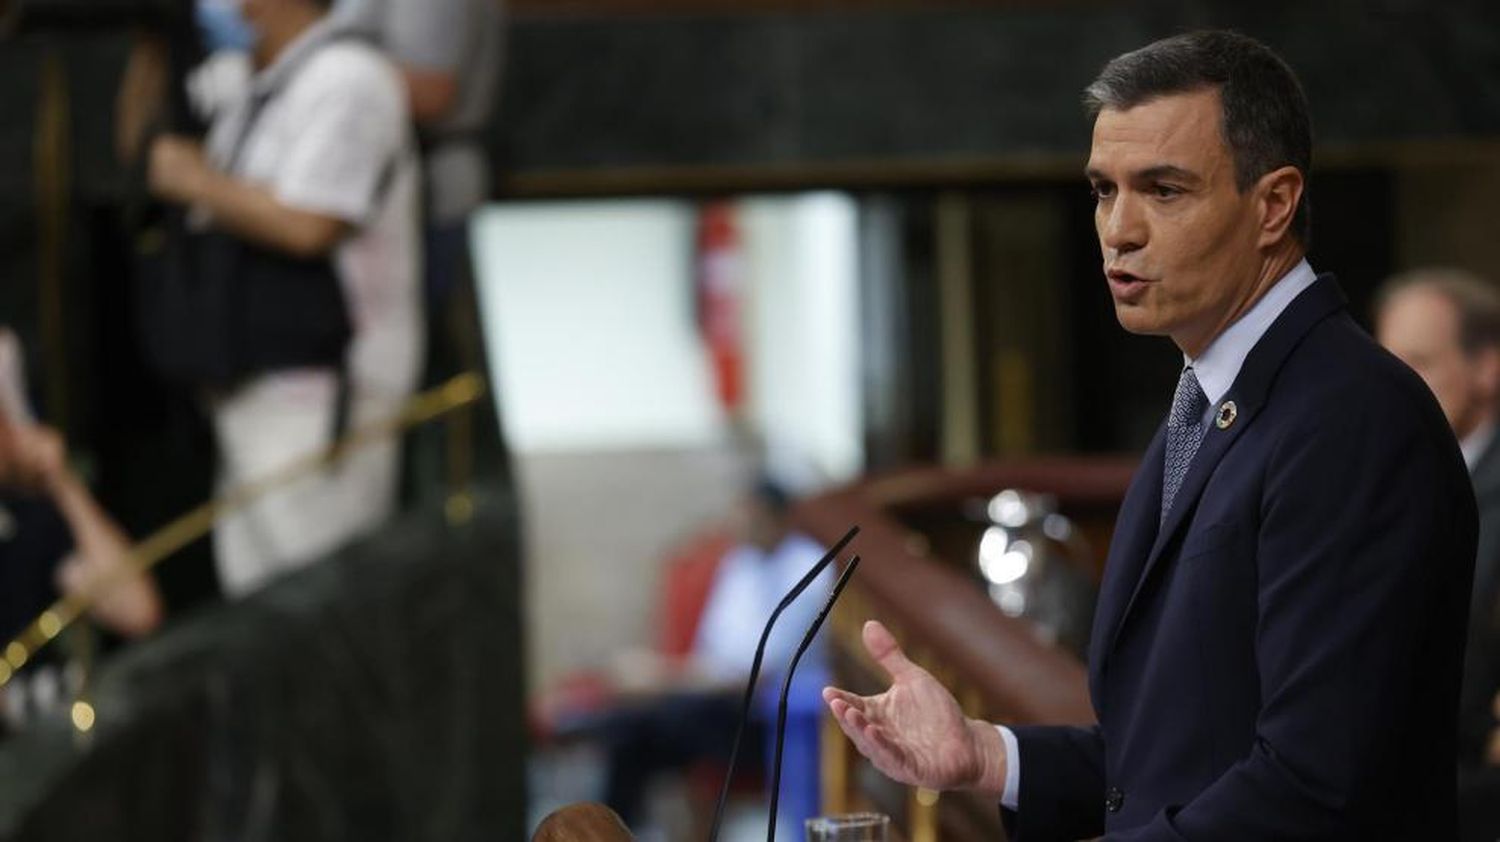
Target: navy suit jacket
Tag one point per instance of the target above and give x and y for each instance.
(1281, 659)
(1476, 708)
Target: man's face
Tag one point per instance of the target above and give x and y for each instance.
(757, 524)
(1421, 327)
(1178, 238)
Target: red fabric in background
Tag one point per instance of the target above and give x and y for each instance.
(720, 285)
(687, 577)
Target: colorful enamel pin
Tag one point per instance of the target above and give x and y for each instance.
(1227, 413)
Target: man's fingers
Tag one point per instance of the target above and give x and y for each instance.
(834, 694)
(845, 717)
(857, 718)
(852, 720)
(882, 646)
(857, 727)
(838, 707)
(871, 734)
(874, 742)
(870, 739)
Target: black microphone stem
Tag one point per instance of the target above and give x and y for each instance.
(786, 689)
(760, 652)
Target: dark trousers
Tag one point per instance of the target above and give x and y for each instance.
(670, 734)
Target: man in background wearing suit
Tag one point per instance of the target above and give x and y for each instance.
(1279, 635)
(1445, 324)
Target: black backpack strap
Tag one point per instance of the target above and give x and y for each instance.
(344, 389)
(343, 401)
(259, 99)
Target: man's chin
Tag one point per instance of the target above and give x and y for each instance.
(1136, 319)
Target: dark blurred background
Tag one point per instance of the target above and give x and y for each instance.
(913, 286)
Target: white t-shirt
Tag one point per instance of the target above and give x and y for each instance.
(747, 587)
(333, 138)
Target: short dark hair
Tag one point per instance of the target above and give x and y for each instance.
(1476, 301)
(771, 494)
(1265, 116)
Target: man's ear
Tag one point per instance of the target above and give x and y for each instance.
(1278, 193)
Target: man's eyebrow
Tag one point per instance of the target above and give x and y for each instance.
(1168, 171)
(1151, 173)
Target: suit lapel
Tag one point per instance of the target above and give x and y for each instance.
(1135, 529)
(1249, 393)
(1215, 444)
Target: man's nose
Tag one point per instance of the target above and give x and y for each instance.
(1123, 228)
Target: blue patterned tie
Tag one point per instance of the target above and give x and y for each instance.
(1184, 433)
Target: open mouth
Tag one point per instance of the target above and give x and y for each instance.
(1124, 285)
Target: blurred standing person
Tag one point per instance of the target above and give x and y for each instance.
(1445, 324)
(449, 56)
(308, 155)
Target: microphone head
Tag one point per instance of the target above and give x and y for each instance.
(583, 823)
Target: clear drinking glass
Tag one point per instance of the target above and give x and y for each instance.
(853, 827)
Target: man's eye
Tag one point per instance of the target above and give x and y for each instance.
(1164, 191)
(1101, 191)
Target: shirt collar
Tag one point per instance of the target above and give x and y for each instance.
(292, 55)
(1476, 443)
(1220, 363)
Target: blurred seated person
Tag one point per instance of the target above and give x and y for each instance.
(673, 713)
(1445, 324)
(309, 155)
(55, 540)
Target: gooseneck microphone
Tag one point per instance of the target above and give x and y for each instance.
(786, 689)
(760, 652)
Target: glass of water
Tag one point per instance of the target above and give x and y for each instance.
(853, 827)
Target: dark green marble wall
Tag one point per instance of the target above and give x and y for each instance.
(929, 85)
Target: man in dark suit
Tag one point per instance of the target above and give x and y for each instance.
(1445, 324)
(1279, 635)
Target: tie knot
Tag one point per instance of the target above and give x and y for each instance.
(1189, 401)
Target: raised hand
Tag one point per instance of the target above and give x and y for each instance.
(915, 732)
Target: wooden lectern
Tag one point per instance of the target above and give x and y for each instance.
(583, 823)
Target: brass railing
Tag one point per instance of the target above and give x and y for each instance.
(444, 400)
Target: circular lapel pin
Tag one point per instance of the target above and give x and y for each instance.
(1227, 413)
